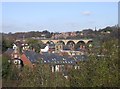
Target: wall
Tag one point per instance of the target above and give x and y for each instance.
(26, 61)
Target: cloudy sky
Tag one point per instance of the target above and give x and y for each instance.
(57, 16)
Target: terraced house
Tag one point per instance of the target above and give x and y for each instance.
(56, 62)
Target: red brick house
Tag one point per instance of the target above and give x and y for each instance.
(26, 61)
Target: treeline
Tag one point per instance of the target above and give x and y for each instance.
(88, 33)
(19, 35)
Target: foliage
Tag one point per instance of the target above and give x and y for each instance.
(35, 77)
(6, 43)
(9, 73)
(41, 76)
(36, 44)
(100, 71)
(5, 66)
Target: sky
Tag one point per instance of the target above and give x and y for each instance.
(57, 16)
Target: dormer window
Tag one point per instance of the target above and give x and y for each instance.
(65, 61)
(54, 58)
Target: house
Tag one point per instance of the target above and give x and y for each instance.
(28, 58)
(58, 47)
(56, 62)
(15, 54)
(52, 48)
(21, 44)
(46, 49)
(9, 52)
(12, 53)
(14, 57)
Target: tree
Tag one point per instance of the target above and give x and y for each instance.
(9, 73)
(36, 44)
(47, 34)
(98, 71)
(5, 66)
(6, 43)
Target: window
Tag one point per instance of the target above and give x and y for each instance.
(65, 61)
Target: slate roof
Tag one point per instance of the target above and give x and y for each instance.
(57, 59)
(32, 56)
(9, 51)
(51, 58)
(80, 57)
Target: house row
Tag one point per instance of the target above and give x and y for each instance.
(57, 63)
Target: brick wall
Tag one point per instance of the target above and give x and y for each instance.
(26, 61)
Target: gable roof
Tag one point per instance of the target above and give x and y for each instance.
(31, 55)
(9, 51)
(80, 57)
(51, 58)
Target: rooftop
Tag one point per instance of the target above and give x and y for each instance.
(53, 58)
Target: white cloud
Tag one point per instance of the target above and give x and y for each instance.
(87, 13)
